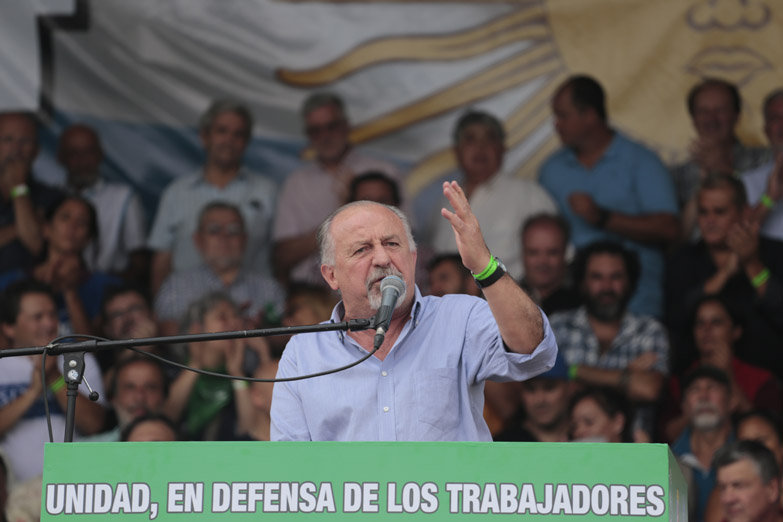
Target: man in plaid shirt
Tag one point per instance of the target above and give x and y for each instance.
(603, 343)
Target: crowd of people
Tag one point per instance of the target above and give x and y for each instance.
(662, 287)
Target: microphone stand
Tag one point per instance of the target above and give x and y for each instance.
(73, 366)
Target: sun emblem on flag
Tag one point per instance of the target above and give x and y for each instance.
(647, 54)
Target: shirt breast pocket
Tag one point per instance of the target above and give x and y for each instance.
(437, 403)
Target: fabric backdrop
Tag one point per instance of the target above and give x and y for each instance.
(142, 72)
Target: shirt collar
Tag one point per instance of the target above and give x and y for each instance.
(201, 180)
(611, 151)
(207, 273)
(95, 187)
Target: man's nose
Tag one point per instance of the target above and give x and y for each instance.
(50, 322)
(728, 497)
(605, 285)
(381, 257)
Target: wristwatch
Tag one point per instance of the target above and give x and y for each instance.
(494, 271)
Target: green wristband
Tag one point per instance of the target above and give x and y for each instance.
(491, 267)
(19, 191)
(760, 278)
(572, 371)
(767, 201)
(57, 385)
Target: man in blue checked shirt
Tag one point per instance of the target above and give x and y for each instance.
(427, 380)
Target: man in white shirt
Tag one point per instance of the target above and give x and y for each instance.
(122, 227)
(501, 202)
(28, 317)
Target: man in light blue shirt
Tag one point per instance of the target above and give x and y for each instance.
(609, 187)
(427, 380)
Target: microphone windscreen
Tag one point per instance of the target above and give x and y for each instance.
(393, 281)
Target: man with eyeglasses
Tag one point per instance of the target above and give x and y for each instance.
(318, 188)
(126, 313)
(221, 240)
(225, 131)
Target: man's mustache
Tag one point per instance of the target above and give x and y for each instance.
(379, 273)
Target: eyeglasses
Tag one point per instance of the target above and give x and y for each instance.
(230, 230)
(317, 130)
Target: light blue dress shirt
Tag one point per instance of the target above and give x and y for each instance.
(430, 387)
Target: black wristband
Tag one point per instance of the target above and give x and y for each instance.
(603, 217)
(500, 271)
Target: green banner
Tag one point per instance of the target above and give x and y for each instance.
(361, 480)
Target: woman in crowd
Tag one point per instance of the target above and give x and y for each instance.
(600, 415)
(716, 332)
(70, 225)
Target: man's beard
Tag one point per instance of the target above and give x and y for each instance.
(223, 262)
(374, 291)
(605, 310)
(707, 418)
(83, 178)
(224, 157)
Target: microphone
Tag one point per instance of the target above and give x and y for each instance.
(392, 287)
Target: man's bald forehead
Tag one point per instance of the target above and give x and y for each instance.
(28, 118)
(363, 206)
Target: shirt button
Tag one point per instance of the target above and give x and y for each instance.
(385, 408)
(384, 373)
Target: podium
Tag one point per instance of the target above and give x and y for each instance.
(322, 481)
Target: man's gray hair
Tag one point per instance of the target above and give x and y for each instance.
(322, 99)
(326, 239)
(762, 458)
(485, 119)
(198, 309)
(719, 180)
(219, 205)
(223, 106)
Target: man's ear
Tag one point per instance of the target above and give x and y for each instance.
(773, 490)
(736, 333)
(197, 240)
(46, 231)
(196, 328)
(746, 212)
(8, 330)
(327, 271)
